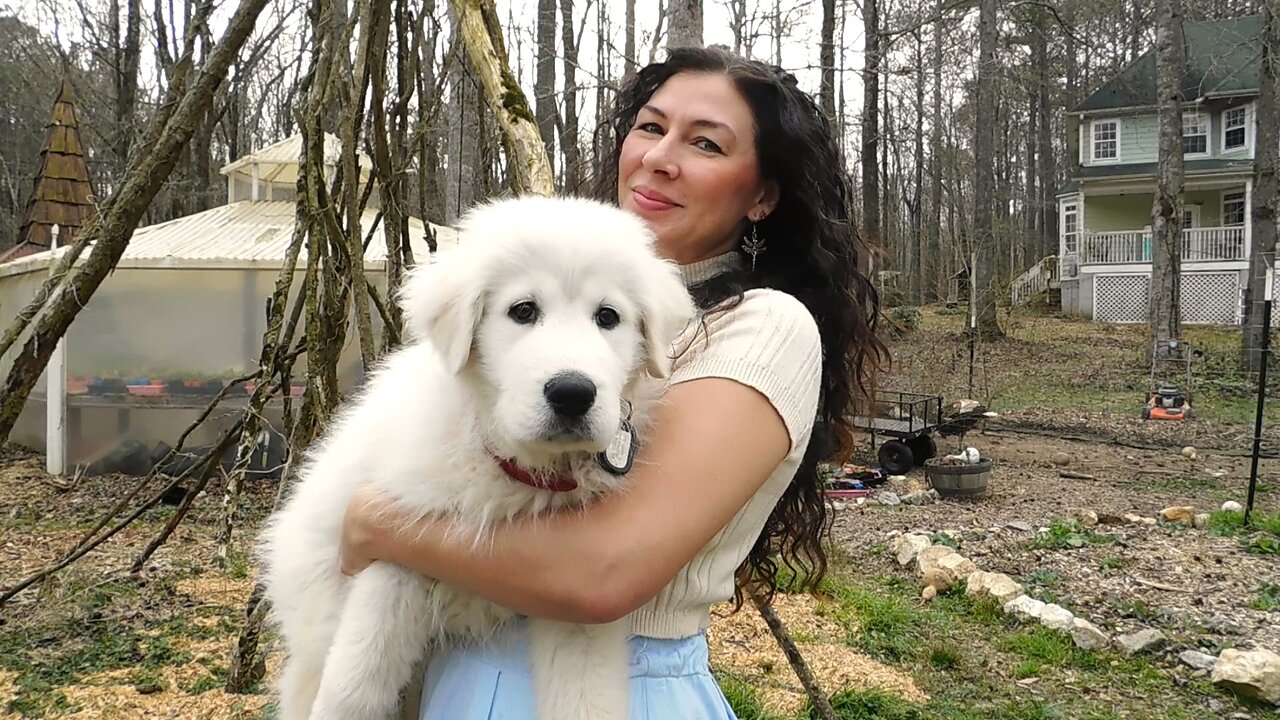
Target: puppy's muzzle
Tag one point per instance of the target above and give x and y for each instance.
(570, 396)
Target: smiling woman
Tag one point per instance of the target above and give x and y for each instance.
(735, 171)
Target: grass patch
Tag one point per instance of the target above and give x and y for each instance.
(887, 623)
(1068, 535)
(1262, 537)
(871, 704)
(744, 698)
(1113, 562)
(1268, 598)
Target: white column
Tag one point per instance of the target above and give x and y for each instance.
(56, 394)
(1248, 217)
(253, 188)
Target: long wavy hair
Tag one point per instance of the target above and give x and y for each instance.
(813, 250)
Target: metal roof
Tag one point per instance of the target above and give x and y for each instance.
(279, 162)
(241, 235)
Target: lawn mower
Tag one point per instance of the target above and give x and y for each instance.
(1167, 398)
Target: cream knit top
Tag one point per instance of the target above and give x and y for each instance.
(770, 343)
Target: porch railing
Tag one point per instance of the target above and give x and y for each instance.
(1035, 280)
(1134, 246)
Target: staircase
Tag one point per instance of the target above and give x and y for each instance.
(1038, 278)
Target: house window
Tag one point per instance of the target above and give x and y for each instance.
(1195, 134)
(1106, 140)
(1233, 129)
(1233, 208)
(1070, 229)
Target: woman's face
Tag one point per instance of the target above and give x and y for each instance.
(689, 167)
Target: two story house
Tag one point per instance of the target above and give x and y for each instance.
(1104, 227)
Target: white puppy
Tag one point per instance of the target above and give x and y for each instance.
(533, 352)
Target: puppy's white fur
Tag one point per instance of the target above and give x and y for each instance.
(470, 382)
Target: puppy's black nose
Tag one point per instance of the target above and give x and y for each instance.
(570, 394)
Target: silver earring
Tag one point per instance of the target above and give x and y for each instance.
(753, 245)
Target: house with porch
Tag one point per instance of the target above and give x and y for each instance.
(1103, 267)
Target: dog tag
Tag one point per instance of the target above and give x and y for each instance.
(617, 458)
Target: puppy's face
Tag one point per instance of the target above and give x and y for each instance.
(550, 309)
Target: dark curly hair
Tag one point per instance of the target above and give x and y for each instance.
(812, 255)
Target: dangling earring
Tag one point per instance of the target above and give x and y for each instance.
(753, 244)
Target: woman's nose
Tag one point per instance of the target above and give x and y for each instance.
(660, 159)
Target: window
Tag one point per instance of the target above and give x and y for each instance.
(1234, 136)
(1106, 140)
(1195, 134)
(1070, 229)
(1233, 208)
(1191, 217)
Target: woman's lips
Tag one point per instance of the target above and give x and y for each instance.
(651, 201)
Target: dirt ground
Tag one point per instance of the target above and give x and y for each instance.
(93, 642)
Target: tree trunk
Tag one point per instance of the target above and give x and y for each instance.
(569, 130)
(1166, 210)
(629, 49)
(686, 23)
(935, 157)
(127, 82)
(1265, 194)
(111, 235)
(984, 294)
(917, 187)
(827, 59)
(544, 86)
(871, 231)
(1045, 160)
(528, 167)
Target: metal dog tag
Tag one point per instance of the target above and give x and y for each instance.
(617, 458)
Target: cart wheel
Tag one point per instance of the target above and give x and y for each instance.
(895, 457)
(923, 448)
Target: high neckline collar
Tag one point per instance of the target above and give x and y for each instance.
(703, 270)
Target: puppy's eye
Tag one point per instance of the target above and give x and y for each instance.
(607, 318)
(524, 313)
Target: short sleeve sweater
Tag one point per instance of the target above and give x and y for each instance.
(768, 342)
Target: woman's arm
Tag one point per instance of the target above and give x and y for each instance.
(715, 444)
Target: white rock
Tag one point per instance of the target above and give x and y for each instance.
(1254, 673)
(1087, 518)
(997, 586)
(907, 547)
(928, 558)
(1197, 659)
(1189, 453)
(956, 565)
(1232, 506)
(1019, 525)
(885, 497)
(1087, 636)
(1056, 617)
(1141, 641)
(897, 478)
(1024, 606)
(1202, 520)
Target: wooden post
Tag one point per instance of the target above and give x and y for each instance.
(56, 392)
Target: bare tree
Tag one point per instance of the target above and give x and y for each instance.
(935, 149)
(544, 87)
(1266, 195)
(827, 59)
(984, 294)
(871, 231)
(686, 23)
(1166, 210)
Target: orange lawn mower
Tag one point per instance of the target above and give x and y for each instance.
(1167, 400)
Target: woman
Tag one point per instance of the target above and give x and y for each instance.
(736, 171)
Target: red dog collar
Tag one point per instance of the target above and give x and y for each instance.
(554, 483)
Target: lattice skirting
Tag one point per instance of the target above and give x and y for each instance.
(1210, 298)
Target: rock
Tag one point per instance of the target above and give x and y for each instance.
(837, 506)
(956, 565)
(1232, 506)
(920, 497)
(1025, 607)
(1254, 673)
(1189, 453)
(1148, 640)
(1087, 636)
(1222, 625)
(1019, 526)
(1110, 519)
(907, 547)
(938, 579)
(997, 586)
(1060, 459)
(885, 497)
(1056, 617)
(1198, 660)
(929, 593)
(1133, 519)
(896, 478)
(1087, 518)
(1202, 520)
(933, 493)
(1184, 514)
(928, 558)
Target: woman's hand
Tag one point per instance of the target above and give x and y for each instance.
(356, 550)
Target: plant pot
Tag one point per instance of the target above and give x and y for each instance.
(959, 480)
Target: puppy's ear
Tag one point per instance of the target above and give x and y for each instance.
(665, 310)
(442, 305)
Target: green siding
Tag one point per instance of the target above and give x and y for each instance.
(1132, 211)
(1139, 139)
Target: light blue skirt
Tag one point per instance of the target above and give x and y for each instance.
(670, 680)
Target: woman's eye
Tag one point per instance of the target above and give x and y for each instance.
(524, 313)
(650, 127)
(707, 145)
(607, 318)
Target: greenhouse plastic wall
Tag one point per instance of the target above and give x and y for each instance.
(152, 349)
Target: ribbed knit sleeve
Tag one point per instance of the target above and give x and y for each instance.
(768, 342)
